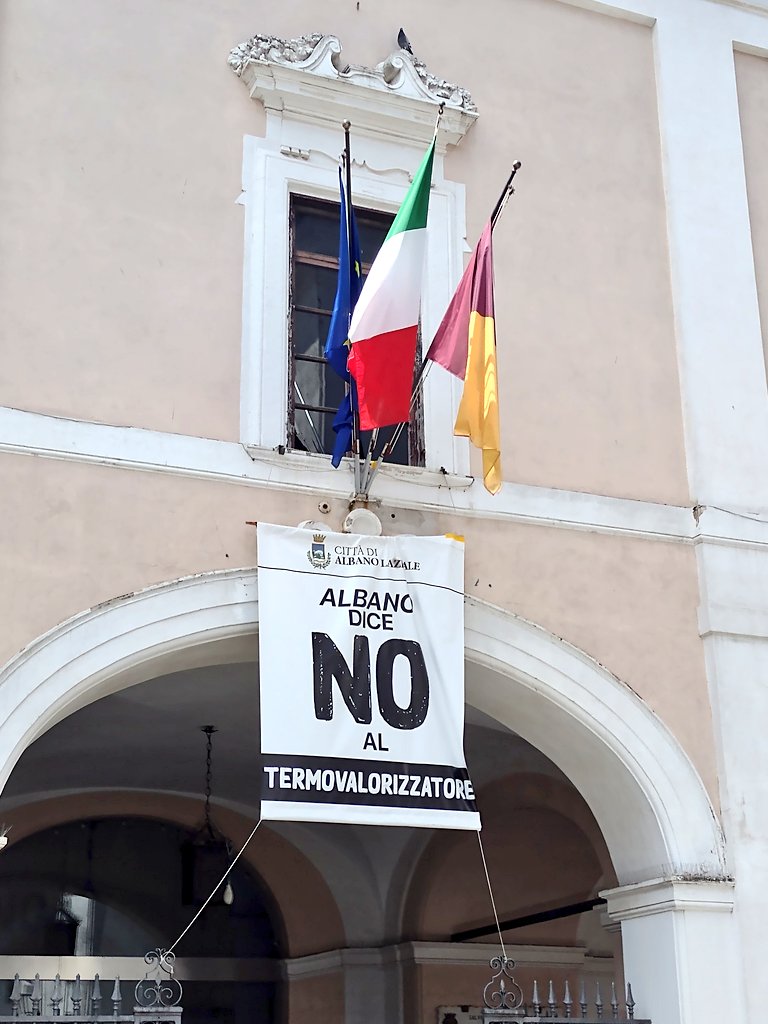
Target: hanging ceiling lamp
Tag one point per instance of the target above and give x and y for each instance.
(204, 857)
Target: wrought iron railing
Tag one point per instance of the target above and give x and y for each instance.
(156, 997)
(505, 1001)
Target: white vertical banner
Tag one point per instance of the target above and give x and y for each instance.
(361, 665)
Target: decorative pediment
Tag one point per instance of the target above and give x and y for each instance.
(306, 78)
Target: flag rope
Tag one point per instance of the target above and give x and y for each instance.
(217, 887)
(490, 893)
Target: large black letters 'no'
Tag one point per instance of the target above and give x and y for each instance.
(328, 663)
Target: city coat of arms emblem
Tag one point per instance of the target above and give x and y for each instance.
(317, 555)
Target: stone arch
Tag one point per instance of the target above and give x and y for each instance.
(644, 792)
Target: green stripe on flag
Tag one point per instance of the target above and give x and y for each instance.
(413, 213)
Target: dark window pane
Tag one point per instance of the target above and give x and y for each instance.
(315, 242)
(314, 286)
(313, 428)
(309, 333)
(314, 431)
(316, 230)
(399, 454)
(317, 384)
(371, 237)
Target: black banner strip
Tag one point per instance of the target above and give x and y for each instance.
(346, 780)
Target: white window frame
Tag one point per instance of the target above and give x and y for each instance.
(299, 156)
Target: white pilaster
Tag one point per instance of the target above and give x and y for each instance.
(680, 951)
(720, 352)
(733, 622)
(725, 402)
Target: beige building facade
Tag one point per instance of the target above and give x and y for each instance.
(616, 633)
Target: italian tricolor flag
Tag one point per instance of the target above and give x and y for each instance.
(386, 318)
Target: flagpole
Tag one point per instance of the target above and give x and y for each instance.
(426, 363)
(506, 193)
(367, 464)
(370, 473)
(346, 125)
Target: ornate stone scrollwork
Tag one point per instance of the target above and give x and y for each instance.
(272, 68)
(273, 50)
(438, 88)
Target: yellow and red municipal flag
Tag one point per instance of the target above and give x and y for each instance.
(465, 344)
(385, 322)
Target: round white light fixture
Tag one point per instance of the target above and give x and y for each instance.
(363, 522)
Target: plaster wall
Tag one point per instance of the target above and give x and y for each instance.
(589, 391)
(752, 82)
(314, 999)
(122, 246)
(547, 863)
(77, 535)
(543, 849)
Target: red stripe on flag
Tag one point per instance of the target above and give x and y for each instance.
(383, 370)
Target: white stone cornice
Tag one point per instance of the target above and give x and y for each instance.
(731, 527)
(445, 954)
(751, 6)
(134, 448)
(470, 954)
(660, 895)
(306, 79)
(648, 12)
(642, 12)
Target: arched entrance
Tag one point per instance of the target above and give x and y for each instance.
(645, 795)
(99, 889)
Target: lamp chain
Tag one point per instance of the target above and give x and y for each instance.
(209, 730)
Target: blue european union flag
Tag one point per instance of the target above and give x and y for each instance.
(348, 289)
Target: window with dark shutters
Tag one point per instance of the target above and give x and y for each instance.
(315, 390)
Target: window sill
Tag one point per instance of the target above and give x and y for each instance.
(308, 462)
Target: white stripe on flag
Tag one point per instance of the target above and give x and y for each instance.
(391, 295)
